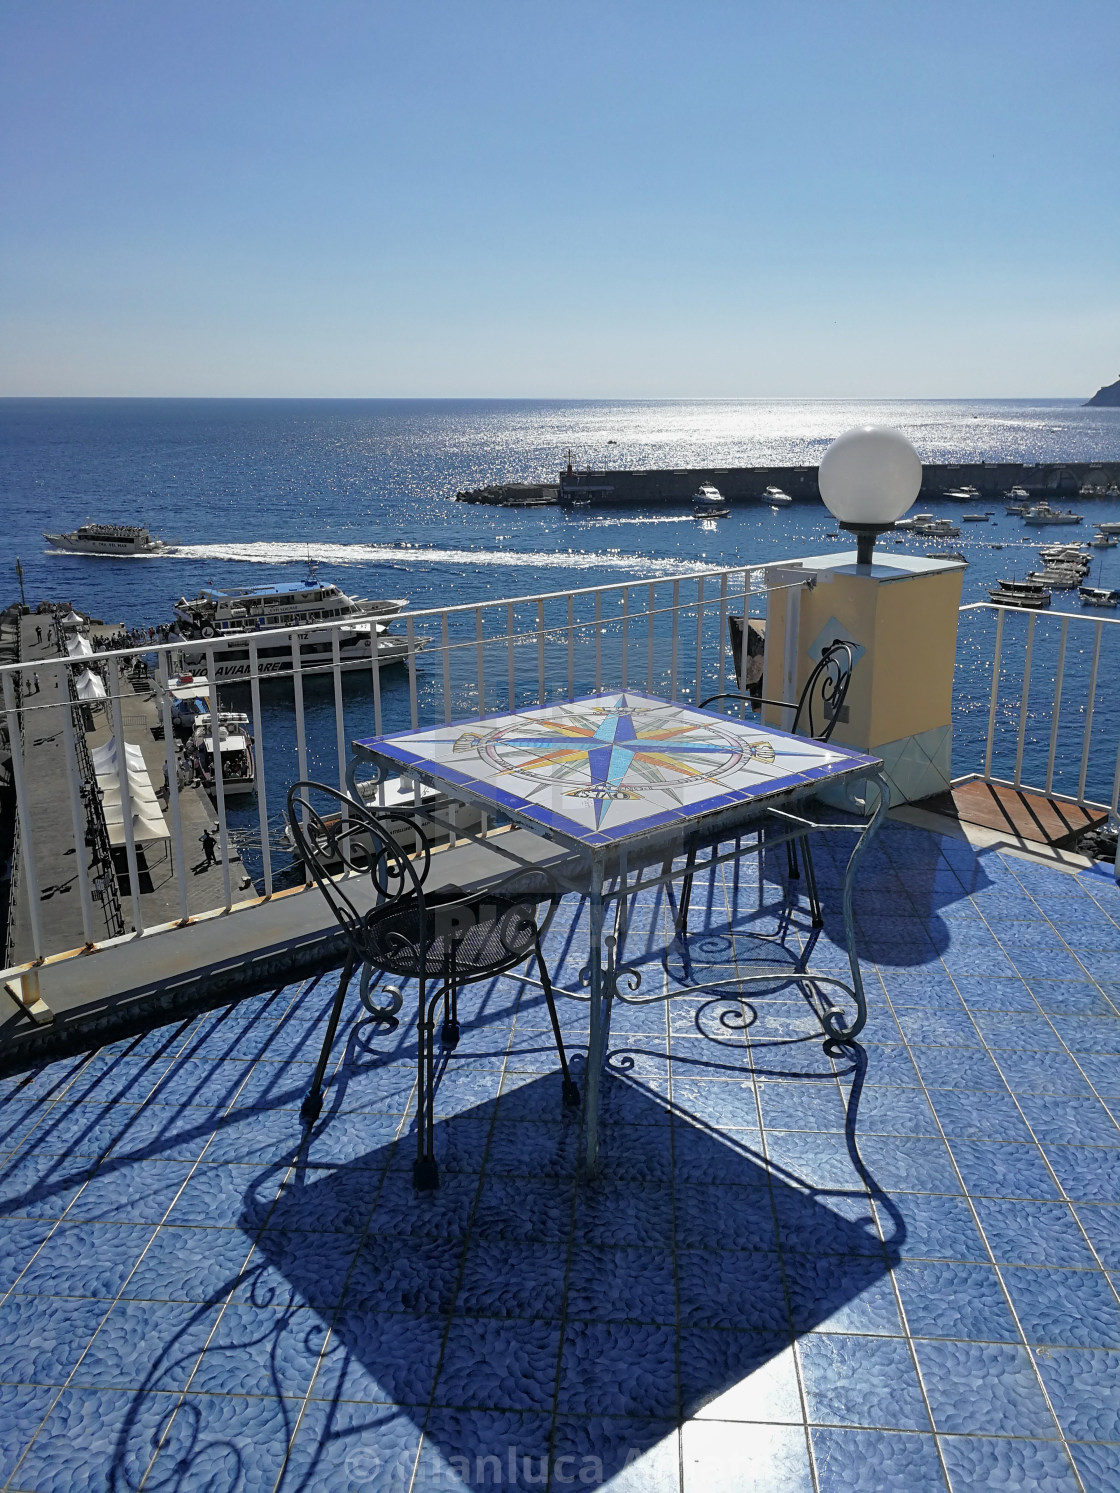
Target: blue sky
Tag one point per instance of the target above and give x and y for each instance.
(571, 199)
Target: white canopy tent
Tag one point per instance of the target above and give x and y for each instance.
(140, 790)
(89, 686)
(145, 829)
(79, 647)
(104, 757)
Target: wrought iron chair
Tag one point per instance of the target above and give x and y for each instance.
(442, 938)
(815, 715)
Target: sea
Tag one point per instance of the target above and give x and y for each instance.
(248, 489)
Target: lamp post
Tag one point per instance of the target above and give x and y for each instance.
(868, 478)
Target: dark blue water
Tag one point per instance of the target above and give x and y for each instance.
(249, 488)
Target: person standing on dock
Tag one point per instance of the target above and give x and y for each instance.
(208, 843)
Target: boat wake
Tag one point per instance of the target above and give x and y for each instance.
(264, 552)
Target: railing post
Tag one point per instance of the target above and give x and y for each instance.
(721, 649)
(179, 859)
(1056, 707)
(542, 694)
(73, 778)
(1087, 737)
(675, 619)
(598, 642)
(30, 874)
(699, 639)
(994, 695)
(262, 791)
(625, 636)
(1024, 700)
(480, 661)
(445, 649)
(511, 662)
(219, 781)
(650, 639)
(339, 709)
(301, 725)
(571, 646)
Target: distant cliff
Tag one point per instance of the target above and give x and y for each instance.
(1107, 394)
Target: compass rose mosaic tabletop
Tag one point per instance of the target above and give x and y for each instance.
(607, 768)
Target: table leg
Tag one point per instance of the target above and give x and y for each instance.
(597, 1038)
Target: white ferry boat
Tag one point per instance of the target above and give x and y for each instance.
(109, 539)
(709, 501)
(223, 621)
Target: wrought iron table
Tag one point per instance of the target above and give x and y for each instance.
(629, 784)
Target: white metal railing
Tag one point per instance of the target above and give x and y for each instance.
(667, 637)
(1047, 683)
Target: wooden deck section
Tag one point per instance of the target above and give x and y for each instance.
(1026, 816)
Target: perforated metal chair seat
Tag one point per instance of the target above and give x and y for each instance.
(466, 940)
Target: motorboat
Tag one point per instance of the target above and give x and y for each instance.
(121, 540)
(1103, 541)
(915, 521)
(235, 743)
(776, 497)
(975, 518)
(709, 502)
(223, 622)
(1109, 528)
(1028, 594)
(1042, 513)
(966, 494)
(1098, 596)
(1057, 578)
(936, 528)
(947, 555)
(1016, 500)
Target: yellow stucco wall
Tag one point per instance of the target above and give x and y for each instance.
(903, 683)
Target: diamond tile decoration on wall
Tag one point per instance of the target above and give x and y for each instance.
(888, 1266)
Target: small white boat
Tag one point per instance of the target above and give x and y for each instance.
(1109, 528)
(965, 494)
(914, 522)
(975, 518)
(709, 502)
(1042, 513)
(1058, 579)
(938, 528)
(776, 497)
(1103, 541)
(120, 540)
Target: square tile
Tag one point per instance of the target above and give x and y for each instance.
(981, 1389)
(861, 1381)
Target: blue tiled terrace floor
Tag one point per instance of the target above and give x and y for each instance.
(891, 1268)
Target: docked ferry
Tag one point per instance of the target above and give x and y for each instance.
(121, 540)
(222, 622)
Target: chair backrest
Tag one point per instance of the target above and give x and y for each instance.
(336, 837)
(822, 699)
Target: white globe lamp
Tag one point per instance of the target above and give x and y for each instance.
(868, 478)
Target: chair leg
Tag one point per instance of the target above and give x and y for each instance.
(312, 1106)
(686, 893)
(425, 1169)
(811, 885)
(791, 860)
(449, 1031)
(570, 1087)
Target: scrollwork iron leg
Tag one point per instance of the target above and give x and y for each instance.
(835, 1030)
(312, 1106)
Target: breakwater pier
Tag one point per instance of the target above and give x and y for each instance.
(675, 487)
